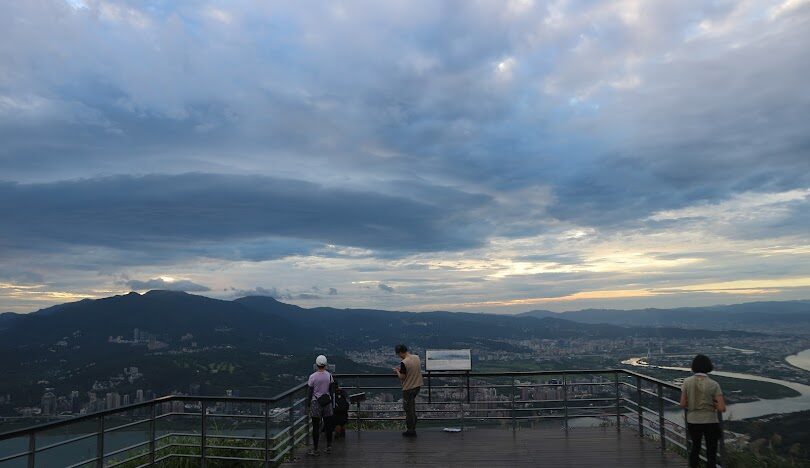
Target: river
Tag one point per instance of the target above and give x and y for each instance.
(800, 360)
(755, 408)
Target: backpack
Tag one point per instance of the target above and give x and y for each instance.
(324, 400)
(341, 402)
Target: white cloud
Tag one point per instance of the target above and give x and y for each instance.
(740, 208)
(787, 7)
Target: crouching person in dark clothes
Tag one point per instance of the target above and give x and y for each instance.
(341, 417)
(410, 375)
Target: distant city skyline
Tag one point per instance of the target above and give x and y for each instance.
(495, 156)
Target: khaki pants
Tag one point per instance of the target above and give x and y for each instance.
(409, 405)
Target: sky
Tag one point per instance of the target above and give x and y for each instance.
(486, 156)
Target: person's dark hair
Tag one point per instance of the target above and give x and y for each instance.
(401, 348)
(702, 364)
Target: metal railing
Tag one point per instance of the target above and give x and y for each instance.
(610, 397)
(251, 431)
(263, 431)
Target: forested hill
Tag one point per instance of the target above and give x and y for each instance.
(256, 344)
(253, 320)
(788, 315)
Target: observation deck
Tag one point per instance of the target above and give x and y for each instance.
(546, 446)
(572, 418)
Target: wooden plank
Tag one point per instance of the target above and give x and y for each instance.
(581, 447)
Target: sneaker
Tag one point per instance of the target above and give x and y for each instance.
(328, 450)
(313, 453)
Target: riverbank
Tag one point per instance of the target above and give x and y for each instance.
(800, 360)
(750, 409)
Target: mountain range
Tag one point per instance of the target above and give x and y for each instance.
(784, 315)
(255, 343)
(263, 319)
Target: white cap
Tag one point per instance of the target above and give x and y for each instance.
(320, 361)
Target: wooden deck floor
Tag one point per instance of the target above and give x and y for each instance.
(582, 447)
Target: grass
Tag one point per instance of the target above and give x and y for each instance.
(185, 451)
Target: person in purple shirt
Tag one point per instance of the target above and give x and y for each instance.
(321, 401)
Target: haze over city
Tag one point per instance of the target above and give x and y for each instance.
(419, 155)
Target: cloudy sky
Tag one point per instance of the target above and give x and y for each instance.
(493, 156)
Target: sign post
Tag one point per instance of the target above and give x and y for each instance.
(448, 360)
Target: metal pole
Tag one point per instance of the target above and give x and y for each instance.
(640, 410)
(686, 437)
(152, 436)
(308, 409)
(514, 421)
(618, 406)
(429, 389)
(292, 426)
(357, 413)
(722, 439)
(32, 440)
(100, 442)
(565, 401)
(661, 428)
(461, 403)
(266, 434)
(468, 386)
(203, 410)
(357, 416)
(461, 408)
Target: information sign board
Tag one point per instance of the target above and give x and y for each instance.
(448, 360)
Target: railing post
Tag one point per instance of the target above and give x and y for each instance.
(461, 403)
(661, 429)
(514, 420)
(618, 405)
(640, 409)
(722, 440)
(565, 401)
(308, 409)
(357, 415)
(203, 410)
(430, 388)
(468, 385)
(266, 434)
(292, 425)
(100, 442)
(152, 435)
(686, 432)
(32, 449)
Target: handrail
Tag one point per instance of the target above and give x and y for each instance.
(285, 440)
(497, 374)
(146, 404)
(286, 393)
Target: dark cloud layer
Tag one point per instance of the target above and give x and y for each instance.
(131, 213)
(633, 111)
